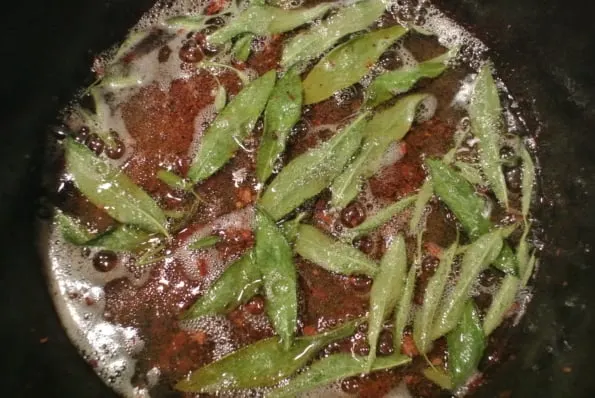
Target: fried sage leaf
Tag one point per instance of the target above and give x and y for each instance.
(265, 20)
(310, 173)
(424, 318)
(242, 47)
(333, 368)
(319, 38)
(501, 303)
(173, 180)
(224, 136)
(282, 113)
(348, 63)
(404, 308)
(528, 181)
(110, 189)
(479, 255)
(485, 115)
(72, 230)
(460, 197)
(261, 364)
(186, 22)
(204, 242)
(386, 290)
(333, 255)
(385, 128)
(238, 283)
(121, 238)
(399, 81)
(423, 197)
(438, 377)
(275, 262)
(466, 344)
(380, 218)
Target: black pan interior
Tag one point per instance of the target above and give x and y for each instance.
(546, 51)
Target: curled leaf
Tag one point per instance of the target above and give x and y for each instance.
(336, 256)
(308, 174)
(348, 63)
(242, 47)
(224, 136)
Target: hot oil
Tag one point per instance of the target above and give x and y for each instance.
(117, 345)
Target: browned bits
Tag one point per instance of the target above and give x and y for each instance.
(201, 38)
(385, 343)
(353, 215)
(351, 385)
(95, 143)
(105, 260)
(512, 176)
(117, 148)
(190, 52)
(82, 134)
(361, 283)
(365, 244)
(359, 345)
(255, 306)
(164, 53)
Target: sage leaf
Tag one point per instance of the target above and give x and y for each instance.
(265, 20)
(220, 98)
(501, 303)
(282, 113)
(72, 230)
(275, 262)
(348, 63)
(336, 256)
(423, 197)
(386, 290)
(174, 181)
(438, 377)
(479, 255)
(186, 22)
(121, 238)
(401, 80)
(466, 344)
(290, 227)
(380, 218)
(238, 283)
(404, 308)
(261, 364)
(308, 174)
(528, 181)
(203, 243)
(528, 270)
(319, 38)
(223, 137)
(385, 128)
(110, 189)
(333, 368)
(424, 318)
(470, 173)
(485, 115)
(242, 47)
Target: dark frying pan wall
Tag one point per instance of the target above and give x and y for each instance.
(546, 50)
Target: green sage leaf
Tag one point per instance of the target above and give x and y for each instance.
(282, 113)
(385, 128)
(470, 173)
(223, 137)
(238, 283)
(121, 238)
(72, 230)
(174, 181)
(336, 256)
(528, 181)
(485, 115)
(466, 344)
(185, 22)
(399, 81)
(204, 242)
(333, 368)
(111, 190)
(261, 364)
(438, 377)
(242, 47)
(501, 303)
(404, 308)
(380, 218)
(423, 197)
(348, 63)
(308, 174)
(220, 98)
(319, 38)
(424, 318)
(265, 20)
(479, 255)
(386, 290)
(275, 262)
